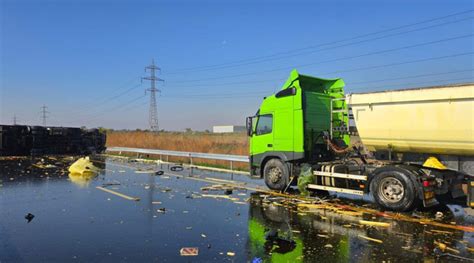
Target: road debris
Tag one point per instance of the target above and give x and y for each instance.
(29, 217)
(83, 166)
(443, 247)
(221, 197)
(177, 168)
(145, 172)
(118, 194)
(439, 215)
(189, 251)
(371, 239)
(230, 254)
(372, 223)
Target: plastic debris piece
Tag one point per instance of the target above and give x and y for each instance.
(189, 251)
(177, 168)
(372, 223)
(221, 196)
(230, 254)
(161, 210)
(29, 217)
(441, 232)
(328, 246)
(144, 172)
(83, 165)
(156, 202)
(118, 194)
(203, 235)
(439, 215)
(443, 247)
(371, 239)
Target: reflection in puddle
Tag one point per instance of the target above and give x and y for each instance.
(83, 179)
(280, 233)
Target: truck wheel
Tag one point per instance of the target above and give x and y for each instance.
(276, 175)
(394, 190)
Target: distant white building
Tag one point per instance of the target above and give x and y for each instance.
(228, 129)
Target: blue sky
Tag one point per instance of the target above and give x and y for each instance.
(84, 59)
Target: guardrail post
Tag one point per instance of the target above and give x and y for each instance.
(191, 164)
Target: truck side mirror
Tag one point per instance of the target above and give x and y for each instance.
(248, 125)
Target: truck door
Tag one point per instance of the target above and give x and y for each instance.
(262, 139)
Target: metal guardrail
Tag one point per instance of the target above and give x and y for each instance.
(212, 156)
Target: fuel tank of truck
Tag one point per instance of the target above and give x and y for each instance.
(436, 120)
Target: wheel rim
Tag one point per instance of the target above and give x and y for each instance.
(274, 175)
(391, 190)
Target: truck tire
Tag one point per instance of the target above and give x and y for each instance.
(393, 189)
(276, 174)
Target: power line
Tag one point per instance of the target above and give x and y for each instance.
(153, 111)
(264, 58)
(413, 76)
(327, 61)
(116, 107)
(334, 47)
(99, 102)
(401, 63)
(263, 93)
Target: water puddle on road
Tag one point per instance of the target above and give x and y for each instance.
(128, 212)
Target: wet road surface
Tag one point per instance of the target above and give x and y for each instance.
(75, 221)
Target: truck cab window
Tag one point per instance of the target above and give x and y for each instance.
(264, 124)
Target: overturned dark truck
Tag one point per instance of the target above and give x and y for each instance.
(417, 145)
(23, 140)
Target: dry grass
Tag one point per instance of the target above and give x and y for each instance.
(235, 143)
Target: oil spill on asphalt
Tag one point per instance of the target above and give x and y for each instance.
(75, 221)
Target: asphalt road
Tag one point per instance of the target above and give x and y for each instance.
(73, 220)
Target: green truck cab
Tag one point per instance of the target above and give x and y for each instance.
(306, 124)
(288, 127)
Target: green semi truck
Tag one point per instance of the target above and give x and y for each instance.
(411, 153)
